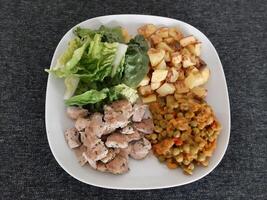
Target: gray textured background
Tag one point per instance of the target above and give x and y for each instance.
(30, 32)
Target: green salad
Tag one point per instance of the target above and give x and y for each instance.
(99, 67)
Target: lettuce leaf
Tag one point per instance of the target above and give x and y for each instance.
(71, 84)
(89, 97)
(136, 61)
(107, 34)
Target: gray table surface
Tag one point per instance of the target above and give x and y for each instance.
(30, 31)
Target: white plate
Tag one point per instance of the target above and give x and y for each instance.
(148, 173)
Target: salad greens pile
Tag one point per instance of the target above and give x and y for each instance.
(98, 67)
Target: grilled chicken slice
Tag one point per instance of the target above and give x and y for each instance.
(76, 112)
(127, 130)
(145, 126)
(118, 165)
(139, 111)
(79, 154)
(82, 123)
(111, 154)
(72, 137)
(117, 140)
(140, 149)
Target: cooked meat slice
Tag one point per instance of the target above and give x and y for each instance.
(111, 154)
(91, 162)
(117, 114)
(147, 114)
(138, 112)
(135, 136)
(78, 152)
(100, 166)
(97, 124)
(89, 138)
(127, 130)
(125, 151)
(117, 140)
(118, 165)
(140, 149)
(145, 126)
(98, 151)
(76, 112)
(82, 123)
(72, 137)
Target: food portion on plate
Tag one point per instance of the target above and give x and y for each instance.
(105, 141)
(186, 128)
(125, 93)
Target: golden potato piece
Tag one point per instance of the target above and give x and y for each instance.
(188, 40)
(194, 49)
(156, 39)
(149, 99)
(200, 92)
(159, 75)
(163, 32)
(174, 75)
(167, 56)
(176, 58)
(147, 30)
(166, 89)
(175, 34)
(155, 56)
(145, 81)
(155, 85)
(164, 46)
(197, 79)
(161, 65)
(145, 90)
(187, 62)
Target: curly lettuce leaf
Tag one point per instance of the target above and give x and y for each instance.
(136, 62)
(89, 97)
(71, 84)
(107, 34)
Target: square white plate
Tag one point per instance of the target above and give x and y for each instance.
(148, 173)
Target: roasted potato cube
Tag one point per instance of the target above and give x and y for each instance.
(155, 85)
(171, 102)
(159, 75)
(188, 40)
(187, 62)
(169, 40)
(176, 58)
(145, 90)
(161, 65)
(163, 32)
(147, 30)
(167, 56)
(181, 87)
(166, 89)
(149, 99)
(156, 39)
(155, 56)
(145, 81)
(200, 92)
(174, 75)
(164, 46)
(175, 34)
(185, 52)
(194, 49)
(197, 79)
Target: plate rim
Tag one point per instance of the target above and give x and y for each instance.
(140, 188)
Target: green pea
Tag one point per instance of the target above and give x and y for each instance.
(154, 136)
(196, 130)
(175, 151)
(186, 148)
(193, 123)
(158, 129)
(170, 134)
(176, 134)
(161, 158)
(179, 158)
